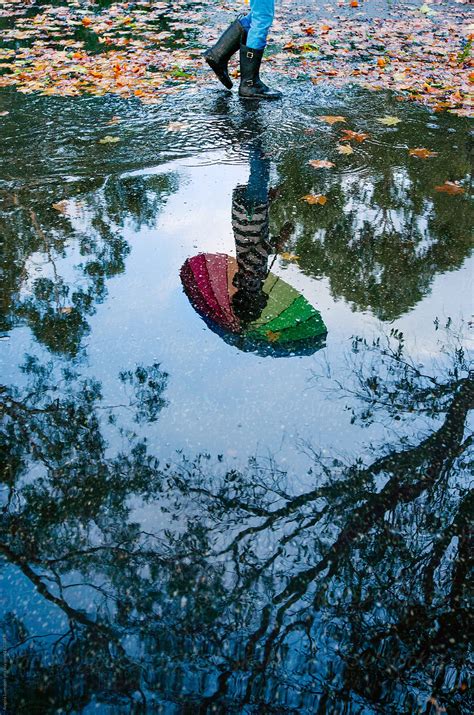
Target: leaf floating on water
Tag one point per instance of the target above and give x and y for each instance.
(273, 337)
(344, 149)
(389, 121)
(331, 119)
(320, 164)
(422, 153)
(450, 187)
(289, 256)
(66, 310)
(109, 140)
(114, 120)
(60, 206)
(348, 135)
(176, 126)
(315, 199)
(4, 114)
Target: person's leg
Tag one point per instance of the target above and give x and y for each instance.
(229, 42)
(251, 52)
(261, 18)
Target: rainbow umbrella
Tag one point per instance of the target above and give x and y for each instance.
(288, 324)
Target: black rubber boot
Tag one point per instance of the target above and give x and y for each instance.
(251, 86)
(218, 56)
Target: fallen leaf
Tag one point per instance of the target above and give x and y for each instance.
(273, 337)
(320, 164)
(176, 126)
(348, 135)
(60, 206)
(422, 153)
(289, 256)
(331, 119)
(344, 149)
(86, 21)
(109, 140)
(66, 310)
(4, 114)
(389, 121)
(381, 61)
(315, 199)
(114, 120)
(354, 3)
(450, 187)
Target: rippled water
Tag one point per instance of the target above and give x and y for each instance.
(193, 523)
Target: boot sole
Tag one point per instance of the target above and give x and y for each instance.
(219, 74)
(260, 96)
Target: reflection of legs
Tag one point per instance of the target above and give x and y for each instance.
(251, 233)
(257, 25)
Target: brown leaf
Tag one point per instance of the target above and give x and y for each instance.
(60, 206)
(331, 118)
(315, 199)
(348, 135)
(450, 187)
(320, 164)
(422, 153)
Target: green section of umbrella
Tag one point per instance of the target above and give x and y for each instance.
(280, 296)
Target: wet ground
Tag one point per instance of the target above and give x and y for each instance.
(197, 520)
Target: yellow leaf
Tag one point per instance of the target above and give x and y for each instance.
(66, 310)
(422, 153)
(320, 164)
(273, 337)
(315, 199)
(289, 256)
(389, 121)
(109, 140)
(331, 119)
(344, 149)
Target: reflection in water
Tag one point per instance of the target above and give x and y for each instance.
(347, 597)
(239, 298)
(59, 254)
(138, 584)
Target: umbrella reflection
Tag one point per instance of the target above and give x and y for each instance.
(239, 298)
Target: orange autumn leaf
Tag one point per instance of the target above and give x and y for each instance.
(320, 164)
(381, 61)
(86, 21)
(348, 135)
(310, 30)
(422, 153)
(272, 336)
(315, 199)
(331, 118)
(450, 187)
(325, 29)
(354, 3)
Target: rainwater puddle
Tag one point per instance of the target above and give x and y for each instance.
(235, 479)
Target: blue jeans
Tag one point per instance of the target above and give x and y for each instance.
(258, 22)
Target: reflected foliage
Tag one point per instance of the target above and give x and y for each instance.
(384, 233)
(349, 596)
(60, 252)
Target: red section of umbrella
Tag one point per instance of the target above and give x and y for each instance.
(207, 279)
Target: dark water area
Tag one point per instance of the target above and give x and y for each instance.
(235, 482)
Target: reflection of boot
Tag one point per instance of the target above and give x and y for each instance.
(218, 56)
(251, 86)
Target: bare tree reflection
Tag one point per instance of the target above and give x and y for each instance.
(350, 596)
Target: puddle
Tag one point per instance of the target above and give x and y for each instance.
(235, 480)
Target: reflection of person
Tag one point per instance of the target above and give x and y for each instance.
(252, 239)
(249, 34)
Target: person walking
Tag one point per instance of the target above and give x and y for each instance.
(247, 34)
